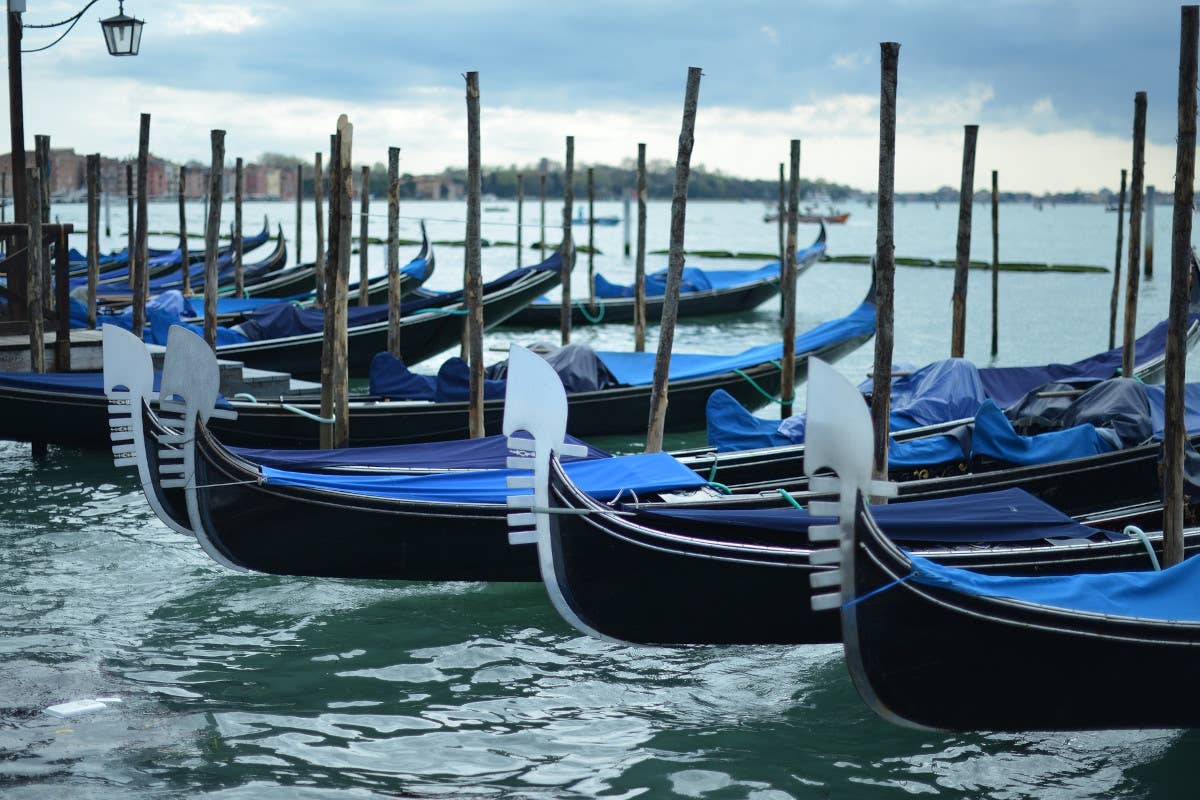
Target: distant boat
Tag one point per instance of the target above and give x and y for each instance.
(495, 208)
(579, 220)
(810, 214)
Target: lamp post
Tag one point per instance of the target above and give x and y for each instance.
(122, 36)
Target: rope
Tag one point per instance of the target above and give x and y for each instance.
(1134, 530)
(788, 496)
(309, 414)
(758, 388)
(583, 310)
(712, 473)
(879, 590)
(246, 396)
(720, 487)
(613, 502)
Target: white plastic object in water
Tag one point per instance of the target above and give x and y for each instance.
(74, 708)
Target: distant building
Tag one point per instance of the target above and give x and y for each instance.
(437, 187)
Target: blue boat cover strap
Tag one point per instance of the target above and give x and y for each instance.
(1169, 595)
(602, 478)
(489, 452)
(1008, 515)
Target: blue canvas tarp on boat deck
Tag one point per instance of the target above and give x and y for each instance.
(1169, 595)
(82, 383)
(489, 452)
(637, 369)
(994, 437)
(1008, 515)
(602, 478)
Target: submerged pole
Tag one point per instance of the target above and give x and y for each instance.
(185, 260)
(885, 255)
(1116, 290)
(1135, 232)
(567, 248)
(319, 261)
(473, 294)
(363, 231)
(393, 251)
(140, 265)
(666, 331)
(212, 230)
(966, 199)
(239, 279)
(639, 274)
(1148, 267)
(93, 235)
(995, 262)
(787, 389)
(1174, 430)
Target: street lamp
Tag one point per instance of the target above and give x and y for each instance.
(122, 35)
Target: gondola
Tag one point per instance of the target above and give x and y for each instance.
(937, 647)
(299, 281)
(246, 522)
(161, 266)
(604, 564)
(712, 292)
(292, 339)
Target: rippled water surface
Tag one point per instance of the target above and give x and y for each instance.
(247, 686)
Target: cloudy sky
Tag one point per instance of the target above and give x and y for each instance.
(1050, 83)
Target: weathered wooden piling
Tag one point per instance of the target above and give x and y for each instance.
(327, 282)
(591, 189)
(212, 232)
(885, 255)
(93, 235)
(1174, 429)
(473, 294)
(34, 277)
(107, 211)
(129, 246)
(239, 280)
(3, 196)
(639, 274)
(787, 390)
(520, 216)
(966, 199)
(42, 156)
(666, 331)
(1148, 266)
(319, 261)
(625, 215)
(995, 262)
(781, 213)
(335, 392)
(567, 247)
(1137, 176)
(17, 120)
(141, 267)
(542, 240)
(1116, 290)
(62, 299)
(393, 251)
(363, 236)
(299, 209)
(185, 261)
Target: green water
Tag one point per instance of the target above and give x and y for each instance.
(248, 686)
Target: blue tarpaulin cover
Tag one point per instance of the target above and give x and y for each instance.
(489, 452)
(1008, 515)
(1168, 595)
(603, 478)
(83, 383)
(995, 438)
(637, 369)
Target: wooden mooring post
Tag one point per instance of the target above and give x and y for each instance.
(520, 216)
(885, 255)
(185, 260)
(93, 235)
(141, 267)
(393, 251)
(1137, 176)
(34, 277)
(239, 280)
(995, 262)
(1174, 429)
(567, 247)
(319, 261)
(129, 248)
(591, 189)
(1116, 290)
(639, 274)
(966, 200)
(473, 294)
(335, 391)
(364, 235)
(542, 240)
(299, 209)
(787, 388)
(781, 212)
(666, 331)
(1148, 266)
(625, 216)
(212, 232)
